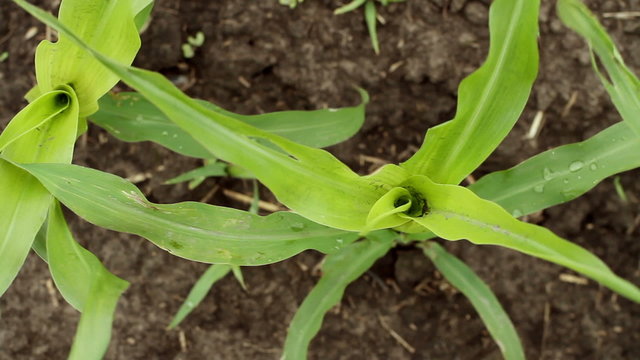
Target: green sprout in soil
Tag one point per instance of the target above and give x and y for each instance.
(290, 3)
(370, 15)
(353, 219)
(193, 42)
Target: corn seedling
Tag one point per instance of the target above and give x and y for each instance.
(370, 15)
(353, 219)
(72, 86)
(193, 42)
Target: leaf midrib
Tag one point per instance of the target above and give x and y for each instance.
(472, 123)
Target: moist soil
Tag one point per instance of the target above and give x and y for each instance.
(259, 56)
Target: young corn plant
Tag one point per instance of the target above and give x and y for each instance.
(355, 219)
(71, 87)
(370, 15)
(69, 84)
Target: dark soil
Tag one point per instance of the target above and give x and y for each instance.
(260, 56)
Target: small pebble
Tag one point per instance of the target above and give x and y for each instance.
(477, 13)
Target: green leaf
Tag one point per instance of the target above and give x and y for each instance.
(482, 298)
(142, 11)
(194, 231)
(547, 179)
(457, 213)
(39, 245)
(24, 201)
(199, 291)
(561, 174)
(130, 117)
(199, 174)
(489, 101)
(63, 63)
(349, 7)
(310, 181)
(339, 270)
(622, 85)
(34, 116)
(85, 283)
(237, 273)
(197, 40)
(370, 17)
(94, 330)
(385, 212)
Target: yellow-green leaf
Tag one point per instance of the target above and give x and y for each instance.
(489, 101)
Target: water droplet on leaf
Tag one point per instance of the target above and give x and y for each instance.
(547, 174)
(575, 166)
(593, 166)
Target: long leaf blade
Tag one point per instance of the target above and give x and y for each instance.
(548, 179)
(456, 213)
(199, 291)
(561, 174)
(130, 117)
(94, 329)
(623, 86)
(339, 270)
(85, 284)
(195, 231)
(489, 101)
(463, 278)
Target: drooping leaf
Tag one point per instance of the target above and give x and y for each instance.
(339, 270)
(211, 276)
(463, 278)
(312, 182)
(24, 201)
(85, 283)
(63, 63)
(199, 291)
(489, 101)
(130, 117)
(195, 231)
(622, 85)
(94, 329)
(457, 213)
(561, 174)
